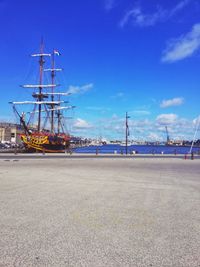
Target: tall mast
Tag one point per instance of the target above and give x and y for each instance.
(41, 63)
(54, 94)
(127, 132)
(52, 90)
(59, 120)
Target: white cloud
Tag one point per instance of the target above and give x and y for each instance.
(139, 18)
(115, 117)
(183, 47)
(179, 6)
(80, 89)
(196, 121)
(113, 128)
(165, 119)
(81, 124)
(172, 102)
(154, 137)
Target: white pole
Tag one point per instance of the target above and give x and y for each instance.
(197, 127)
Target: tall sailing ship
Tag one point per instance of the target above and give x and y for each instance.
(43, 126)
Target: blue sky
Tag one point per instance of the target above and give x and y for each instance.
(140, 56)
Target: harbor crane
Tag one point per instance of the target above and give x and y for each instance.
(168, 139)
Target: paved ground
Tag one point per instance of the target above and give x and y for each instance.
(100, 212)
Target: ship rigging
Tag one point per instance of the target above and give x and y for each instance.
(46, 100)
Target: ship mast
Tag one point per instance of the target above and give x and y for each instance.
(53, 94)
(59, 121)
(41, 63)
(52, 90)
(56, 110)
(51, 106)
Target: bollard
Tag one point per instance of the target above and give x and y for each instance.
(185, 157)
(192, 155)
(121, 152)
(43, 152)
(97, 151)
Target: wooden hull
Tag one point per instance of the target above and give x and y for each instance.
(46, 143)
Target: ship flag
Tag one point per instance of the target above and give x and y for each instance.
(56, 52)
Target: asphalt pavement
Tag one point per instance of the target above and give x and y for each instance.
(81, 211)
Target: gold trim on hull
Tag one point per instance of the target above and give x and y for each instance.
(46, 143)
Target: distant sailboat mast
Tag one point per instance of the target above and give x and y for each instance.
(196, 130)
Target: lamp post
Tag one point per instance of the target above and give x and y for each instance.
(127, 132)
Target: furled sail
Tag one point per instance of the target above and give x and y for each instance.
(41, 55)
(37, 102)
(55, 109)
(39, 85)
(54, 93)
(53, 69)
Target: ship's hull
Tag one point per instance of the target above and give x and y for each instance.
(45, 143)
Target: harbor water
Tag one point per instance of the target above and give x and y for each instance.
(137, 149)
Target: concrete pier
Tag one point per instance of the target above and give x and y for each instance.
(99, 212)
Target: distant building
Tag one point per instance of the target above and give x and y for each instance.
(175, 142)
(10, 132)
